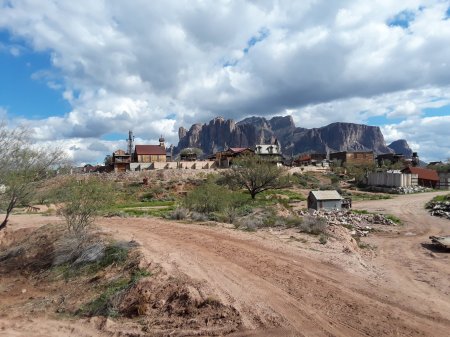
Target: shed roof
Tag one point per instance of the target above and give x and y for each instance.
(423, 173)
(150, 150)
(239, 149)
(326, 195)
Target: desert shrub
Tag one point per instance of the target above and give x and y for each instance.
(180, 213)
(323, 239)
(245, 210)
(210, 197)
(393, 218)
(335, 179)
(250, 223)
(83, 201)
(293, 221)
(306, 180)
(230, 213)
(114, 254)
(154, 193)
(196, 216)
(313, 225)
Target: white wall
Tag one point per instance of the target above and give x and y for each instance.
(196, 165)
(392, 179)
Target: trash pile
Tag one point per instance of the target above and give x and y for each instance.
(359, 224)
(440, 208)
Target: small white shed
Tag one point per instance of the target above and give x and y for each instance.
(330, 199)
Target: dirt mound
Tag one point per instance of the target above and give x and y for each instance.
(27, 250)
(166, 303)
(117, 281)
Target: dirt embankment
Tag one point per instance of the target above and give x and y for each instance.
(286, 287)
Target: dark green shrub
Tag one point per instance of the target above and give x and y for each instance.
(210, 197)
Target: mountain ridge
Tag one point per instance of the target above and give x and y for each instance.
(220, 133)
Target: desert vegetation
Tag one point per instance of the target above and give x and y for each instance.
(23, 168)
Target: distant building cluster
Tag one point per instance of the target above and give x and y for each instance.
(157, 156)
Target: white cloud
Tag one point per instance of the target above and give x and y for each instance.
(3, 114)
(428, 136)
(130, 65)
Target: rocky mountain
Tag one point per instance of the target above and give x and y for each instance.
(401, 146)
(220, 133)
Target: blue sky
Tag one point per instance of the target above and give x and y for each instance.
(20, 94)
(82, 74)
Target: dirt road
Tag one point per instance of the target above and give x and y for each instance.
(281, 290)
(273, 284)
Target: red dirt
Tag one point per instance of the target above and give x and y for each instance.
(283, 287)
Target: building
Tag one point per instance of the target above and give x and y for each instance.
(389, 159)
(353, 157)
(121, 161)
(444, 180)
(270, 151)
(425, 177)
(149, 153)
(325, 200)
(310, 159)
(392, 179)
(225, 158)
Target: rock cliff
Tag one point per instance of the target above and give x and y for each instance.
(401, 146)
(220, 133)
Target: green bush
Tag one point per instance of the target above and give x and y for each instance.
(210, 197)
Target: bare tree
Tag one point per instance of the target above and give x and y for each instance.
(23, 167)
(255, 174)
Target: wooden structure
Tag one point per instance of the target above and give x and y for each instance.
(149, 153)
(121, 161)
(310, 159)
(330, 199)
(353, 157)
(390, 158)
(425, 177)
(188, 156)
(225, 158)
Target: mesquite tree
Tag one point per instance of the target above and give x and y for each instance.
(23, 166)
(255, 174)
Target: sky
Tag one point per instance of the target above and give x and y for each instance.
(80, 74)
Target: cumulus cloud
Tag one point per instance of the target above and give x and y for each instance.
(429, 135)
(154, 67)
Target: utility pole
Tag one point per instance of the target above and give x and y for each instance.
(130, 141)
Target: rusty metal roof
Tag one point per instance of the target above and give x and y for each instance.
(150, 150)
(423, 173)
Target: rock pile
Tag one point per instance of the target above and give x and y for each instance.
(410, 189)
(399, 190)
(360, 224)
(440, 208)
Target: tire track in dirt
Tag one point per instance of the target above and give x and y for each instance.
(273, 287)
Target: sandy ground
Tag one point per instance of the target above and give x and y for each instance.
(284, 288)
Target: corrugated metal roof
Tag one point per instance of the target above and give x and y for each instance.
(150, 150)
(423, 173)
(327, 195)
